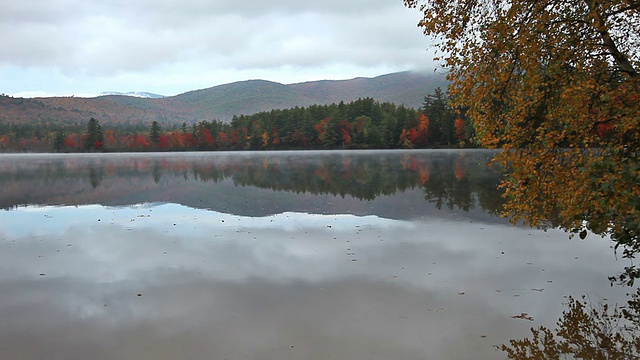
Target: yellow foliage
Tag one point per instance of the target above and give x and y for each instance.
(556, 85)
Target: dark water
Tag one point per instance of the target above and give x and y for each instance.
(296, 255)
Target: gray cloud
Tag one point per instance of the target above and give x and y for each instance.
(93, 38)
(41, 11)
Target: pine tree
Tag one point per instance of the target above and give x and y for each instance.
(58, 141)
(93, 140)
(154, 135)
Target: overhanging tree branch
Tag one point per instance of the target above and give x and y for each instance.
(607, 41)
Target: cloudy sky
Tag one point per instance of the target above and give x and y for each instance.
(84, 47)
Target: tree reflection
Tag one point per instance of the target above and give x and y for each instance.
(585, 331)
(582, 191)
(453, 180)
(461, 180)
(95, 176)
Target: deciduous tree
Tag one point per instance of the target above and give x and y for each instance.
(555, 83)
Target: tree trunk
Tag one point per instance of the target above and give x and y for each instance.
(599, 24)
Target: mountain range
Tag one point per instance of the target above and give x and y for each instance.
(220, 102)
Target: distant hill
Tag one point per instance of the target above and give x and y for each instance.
(221, 102)
(140, 94)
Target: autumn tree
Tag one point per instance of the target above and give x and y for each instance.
(299, 139)
(404, 140)
(344, 130)
(556, 84)
(419, 135)
(4, 142)
(327, 134)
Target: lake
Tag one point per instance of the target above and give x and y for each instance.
(276, 255)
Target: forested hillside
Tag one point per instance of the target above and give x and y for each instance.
(360, 124)
(217, 103)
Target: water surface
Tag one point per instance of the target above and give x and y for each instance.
(275, 255)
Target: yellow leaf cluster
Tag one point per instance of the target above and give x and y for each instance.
(556, 85)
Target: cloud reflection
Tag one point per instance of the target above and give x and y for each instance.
(200, 283)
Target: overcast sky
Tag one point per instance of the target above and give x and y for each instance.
(84, 47)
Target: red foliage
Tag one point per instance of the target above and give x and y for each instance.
(461, 131)
(71, 142)
(223, 139)
(274, 136)
(604, 129)
(460, 170)
(109, 137)
(137, 141)
(418, 135)
(163, 142)
(205, 138)
(424, 175)
(323, 174)
(4, 141)
(321, 129)
(345, 132)
(298, 138)
(235, 137)
(189, 140)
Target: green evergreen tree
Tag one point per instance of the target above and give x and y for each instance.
(154, 134)
(436, 108)
(58, 141)
(94, 139)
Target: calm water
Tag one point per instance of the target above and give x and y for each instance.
(296, 255)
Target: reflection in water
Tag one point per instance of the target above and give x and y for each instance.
(95, 176)
(586, 331)
(218, 285)
(450, 179)
(274, 256)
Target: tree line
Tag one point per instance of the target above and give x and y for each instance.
(361, 124)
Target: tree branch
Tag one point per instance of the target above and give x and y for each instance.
(598, 23)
